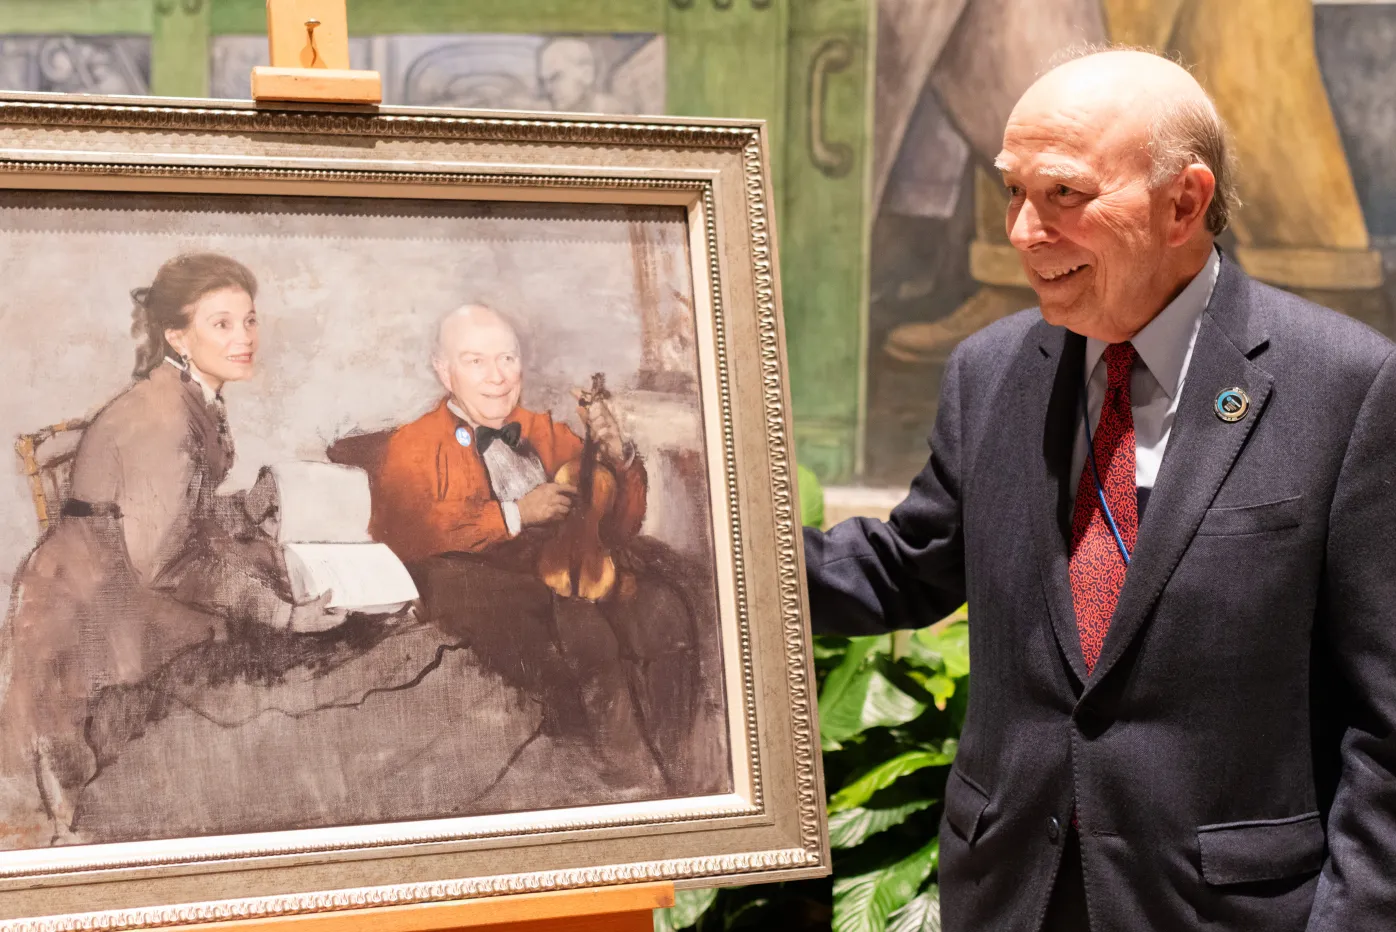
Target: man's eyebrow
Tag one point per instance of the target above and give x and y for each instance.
(1062, 172)
(1001, 164)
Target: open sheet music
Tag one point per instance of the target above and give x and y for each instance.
(323, 528)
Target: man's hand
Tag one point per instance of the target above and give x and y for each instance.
(605, 429)
(547, 503)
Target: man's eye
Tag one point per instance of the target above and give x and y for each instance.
(1062, 190)
(1014, 191)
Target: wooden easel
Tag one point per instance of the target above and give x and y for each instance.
(310, 56)
(627, 908)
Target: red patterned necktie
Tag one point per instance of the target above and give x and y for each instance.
(1097, 566)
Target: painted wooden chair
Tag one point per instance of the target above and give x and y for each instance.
(47, 456)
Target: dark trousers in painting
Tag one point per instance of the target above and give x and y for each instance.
(629, 676)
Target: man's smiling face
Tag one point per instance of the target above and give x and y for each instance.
(1090, 230)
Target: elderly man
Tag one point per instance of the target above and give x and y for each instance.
(467, 496)
(477, 469)
(1183, 711)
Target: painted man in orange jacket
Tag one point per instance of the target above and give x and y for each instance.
(467, 495)
(478, 469)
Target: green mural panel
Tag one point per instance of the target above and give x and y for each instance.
(179, 48)
(823, 228)
(94, 17)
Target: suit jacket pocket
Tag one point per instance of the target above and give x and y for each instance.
(1251, 519)
(965, 803)
(1269, 849)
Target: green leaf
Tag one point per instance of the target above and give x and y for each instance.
(863, 902)
(811, 498)
(864, 698)
(951, 644)
(827, 647)
(853, 687)
(688, 906)
(851, 827)
(883, 776)
(940, 686)
(920, 915)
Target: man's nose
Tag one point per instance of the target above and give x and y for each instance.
(1026, 228)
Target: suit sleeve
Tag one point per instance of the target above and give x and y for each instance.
(1357, 626)
(868, 576)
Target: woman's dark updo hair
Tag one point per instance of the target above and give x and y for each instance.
(166, 304)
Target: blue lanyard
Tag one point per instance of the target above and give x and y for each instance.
(1095, 474)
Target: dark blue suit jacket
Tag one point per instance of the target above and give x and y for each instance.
(1232, 758)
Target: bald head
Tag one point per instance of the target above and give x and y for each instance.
(465, 323)
(1149, 104)
(1123, 92)
(1113, 163)
(477, 360)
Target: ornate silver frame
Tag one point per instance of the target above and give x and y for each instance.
(775, 827)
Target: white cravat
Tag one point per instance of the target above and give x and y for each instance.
(1165, 349)
(512, 474)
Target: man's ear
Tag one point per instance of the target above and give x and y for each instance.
(443, 372)
(1193, 191)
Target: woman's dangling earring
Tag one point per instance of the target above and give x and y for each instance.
(184, 372)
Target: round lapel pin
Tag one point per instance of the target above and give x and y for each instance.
(463, 436)
(1232, 405)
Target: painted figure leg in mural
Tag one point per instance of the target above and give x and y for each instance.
(1301, 225)
(998, 48)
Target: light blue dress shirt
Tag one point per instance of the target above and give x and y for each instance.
(1165, 349)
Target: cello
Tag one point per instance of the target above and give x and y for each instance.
(576, 563)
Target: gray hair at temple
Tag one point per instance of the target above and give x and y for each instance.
(1183, 132)
(477, 314)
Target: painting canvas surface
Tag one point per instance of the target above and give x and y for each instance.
(162, 679)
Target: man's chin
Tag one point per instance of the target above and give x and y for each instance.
(1060, 313)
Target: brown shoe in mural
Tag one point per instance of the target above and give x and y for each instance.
(927, 342)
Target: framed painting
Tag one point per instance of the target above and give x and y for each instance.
(402, 511)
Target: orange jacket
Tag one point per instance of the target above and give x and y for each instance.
(433, 495)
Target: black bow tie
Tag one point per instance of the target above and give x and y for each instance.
(509, 433)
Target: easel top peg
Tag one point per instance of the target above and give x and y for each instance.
(308, 34)
(309, 41)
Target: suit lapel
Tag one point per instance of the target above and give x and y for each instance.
(1054, 386)
(1201, 451)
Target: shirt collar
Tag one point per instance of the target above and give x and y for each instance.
(1164, 343)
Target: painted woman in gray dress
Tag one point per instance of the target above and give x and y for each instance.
(148, 560)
